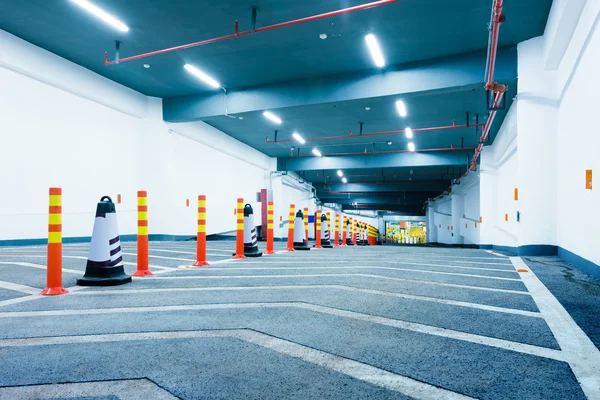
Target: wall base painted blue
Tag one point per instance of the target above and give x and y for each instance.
(580, 263)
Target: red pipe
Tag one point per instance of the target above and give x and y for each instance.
(363, 153)
(497, 20)
(435, 128)
(257, 30)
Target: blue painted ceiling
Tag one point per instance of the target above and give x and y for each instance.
(408, 31)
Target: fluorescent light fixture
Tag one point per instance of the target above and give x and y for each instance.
(344, 180)
(316, 152)
(340, 173)
(401, 108)
(202, 76)
(411, 146)
(375, 50)
(103, 15)
(409, 133)
(272, 117)
(298, 138)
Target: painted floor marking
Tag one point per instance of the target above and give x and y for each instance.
(511, 271)
(304, 287)
(395, 323)
(349, 261)
(364, 372)
(188, 252)
(121, 389)
(161, 257)
(423, 271)
(19, 288)
(581, 354)
(39, 266)
(497, 254)
(398, 258)
(454, 285)
(37, 295)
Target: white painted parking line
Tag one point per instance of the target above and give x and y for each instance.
(497, 254)
(186, 252)
(581, 354)
(511, 270)
(364, 372)
(319, 287)
(121, 389)
(161, 257)
(397, 258)
(39, 266)
(454, 285)
(421, 271)
(19, 288)
(395, 323)
(349, 261)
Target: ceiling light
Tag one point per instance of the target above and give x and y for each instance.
(401, 108)
(367, 108)
(272, 117)
(389, 142)
(202, 76)
(340, 173)
(411, 146)
(298, 138)
(146, 66)
(323, 36)
(316, 152)
(103, 15)
(344, 180)
(409, 133)
(241, 117)
(375, 50)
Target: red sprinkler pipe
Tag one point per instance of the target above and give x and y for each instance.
(486, 129)
(351, 135)
(364, 153)
(237, 34)
(496, 20)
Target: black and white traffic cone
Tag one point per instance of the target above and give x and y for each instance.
(299, 236)
(349, 241)
(105, 261)
(250, 236)
(325, 241)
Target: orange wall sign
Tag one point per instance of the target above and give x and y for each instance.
(588, 179)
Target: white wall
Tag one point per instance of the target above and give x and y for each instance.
(578, 213)
(99, 138)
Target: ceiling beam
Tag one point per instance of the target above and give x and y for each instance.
(442, 158)
(357, 188)
(398, 200)
(444, 74)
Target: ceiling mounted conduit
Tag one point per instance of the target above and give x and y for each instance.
(368, 153)
(252, 31)
(353, 135)
(494, 89)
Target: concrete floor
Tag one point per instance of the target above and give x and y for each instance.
(373, 322)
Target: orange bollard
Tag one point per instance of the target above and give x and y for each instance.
(142, 237)
(336, 232)
(270, 238)
(239, 240)
(329, 224)
(290, 246)
(318, 230)
(306, 223)
(343, 231)
(54, 272)
(354, 232)
(201, 239)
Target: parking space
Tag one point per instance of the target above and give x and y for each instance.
(360, 322)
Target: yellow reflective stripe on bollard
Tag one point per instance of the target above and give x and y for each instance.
(142, 201)
(55, 199)
(142, 230)
(54, 237)
(55, 219)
